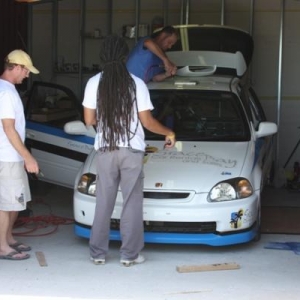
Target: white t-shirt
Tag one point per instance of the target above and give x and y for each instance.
(11, 107)
(137, 140)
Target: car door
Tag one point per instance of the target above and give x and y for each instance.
(264, 146)
(60, 155)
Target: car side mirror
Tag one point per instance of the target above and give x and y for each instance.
(79, 128)
(75, 127)
(265, 129)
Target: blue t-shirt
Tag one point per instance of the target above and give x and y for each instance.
(143, 63)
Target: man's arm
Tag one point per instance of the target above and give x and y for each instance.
(89, 116)
(161, 76)
(31, 164)
(154, 48)
(153, 125)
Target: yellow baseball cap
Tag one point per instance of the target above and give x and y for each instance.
(20, 57)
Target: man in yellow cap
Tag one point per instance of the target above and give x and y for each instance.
(14, 156)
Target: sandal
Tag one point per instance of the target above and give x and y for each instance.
(20, 247)
(13, 256)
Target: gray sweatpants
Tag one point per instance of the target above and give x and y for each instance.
(122, 167)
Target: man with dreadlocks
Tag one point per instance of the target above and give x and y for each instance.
(148, 60)
(118, 104)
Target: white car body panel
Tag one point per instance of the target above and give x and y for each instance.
(186, 171)
(55, 168)
(179, 211)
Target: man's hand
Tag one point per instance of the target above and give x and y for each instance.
(31, 165)
(170, 68)
(170, 140)
(155, 126)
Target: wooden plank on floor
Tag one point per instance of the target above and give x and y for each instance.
(211, 267)
(41, 258)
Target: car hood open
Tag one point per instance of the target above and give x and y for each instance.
(214, 38)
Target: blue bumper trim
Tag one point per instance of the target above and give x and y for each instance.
(178, 238)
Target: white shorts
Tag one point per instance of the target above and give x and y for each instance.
(14, 186)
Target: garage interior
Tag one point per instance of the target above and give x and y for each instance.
(41, 28)
(61, 36)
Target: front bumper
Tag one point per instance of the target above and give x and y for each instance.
(211, 239)
(198, 221)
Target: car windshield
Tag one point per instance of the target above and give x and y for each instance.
(199, 115)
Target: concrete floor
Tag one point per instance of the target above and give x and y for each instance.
(263, 274)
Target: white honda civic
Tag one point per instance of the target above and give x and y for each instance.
(205, 190)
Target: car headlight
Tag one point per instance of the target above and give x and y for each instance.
(237, 188)
(87, 184)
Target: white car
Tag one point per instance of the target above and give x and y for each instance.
(205, 190)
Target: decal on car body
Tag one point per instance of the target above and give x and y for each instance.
(236, 219)
(192, 157)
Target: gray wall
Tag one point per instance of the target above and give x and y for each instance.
(266, 33)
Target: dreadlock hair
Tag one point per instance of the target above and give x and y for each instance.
(116, 94)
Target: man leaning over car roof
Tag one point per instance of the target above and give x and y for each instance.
(148, 59)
